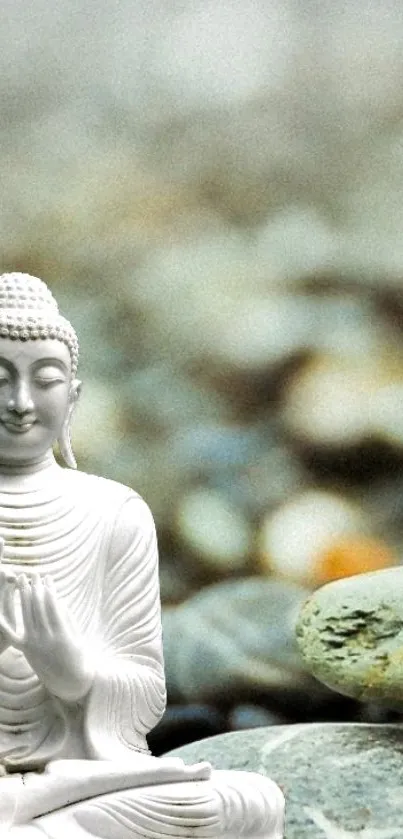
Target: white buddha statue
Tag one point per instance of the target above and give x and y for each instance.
(81, 662)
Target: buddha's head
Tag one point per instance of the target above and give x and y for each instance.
(38, 366)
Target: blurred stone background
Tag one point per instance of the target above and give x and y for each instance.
(214, 193)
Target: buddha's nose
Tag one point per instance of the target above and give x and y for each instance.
(21, 401)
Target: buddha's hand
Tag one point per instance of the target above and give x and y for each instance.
(49, 640)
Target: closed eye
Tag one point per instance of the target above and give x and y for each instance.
(48, 382)
(48, 375)
(4, 375)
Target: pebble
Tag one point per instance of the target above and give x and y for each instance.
(270, 476)
(340, 781)
(295, 539)
(213, 447)
(164, 399)
(245, 343)
(353, 555)
(194, 289)
(236, 638)
(246, 716)
(350, 633)
(215, 531)
(327, 403)
(342, 400)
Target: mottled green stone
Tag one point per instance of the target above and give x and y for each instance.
(351, 636)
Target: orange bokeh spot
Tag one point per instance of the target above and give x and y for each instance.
(353, 555)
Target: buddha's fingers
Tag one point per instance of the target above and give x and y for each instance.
(56, 612)
(24, 589)
(5, 578)
(9, 633)
(38, 605)
(8, 605)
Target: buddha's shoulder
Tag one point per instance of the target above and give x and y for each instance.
(99, 490)
(118, 507)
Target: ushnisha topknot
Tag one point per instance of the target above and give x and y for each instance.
(28, 311)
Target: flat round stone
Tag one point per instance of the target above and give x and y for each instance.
(340, 781)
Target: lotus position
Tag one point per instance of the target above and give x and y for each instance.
(81, 664)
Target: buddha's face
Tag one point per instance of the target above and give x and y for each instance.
(35, 395)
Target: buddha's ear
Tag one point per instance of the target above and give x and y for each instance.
(75, 390)
(64, 441)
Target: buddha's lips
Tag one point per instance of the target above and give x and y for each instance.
(18, 427)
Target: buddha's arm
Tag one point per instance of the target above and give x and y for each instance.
(127, 697)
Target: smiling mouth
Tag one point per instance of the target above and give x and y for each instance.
(18, 427)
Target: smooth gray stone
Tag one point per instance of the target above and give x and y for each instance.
(351, 636)
(233, 637)
(341, 781)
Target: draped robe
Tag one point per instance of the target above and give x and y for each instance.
(80, 770)
(97, 541)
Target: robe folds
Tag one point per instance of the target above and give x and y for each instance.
(82, 770)
(97, 541)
